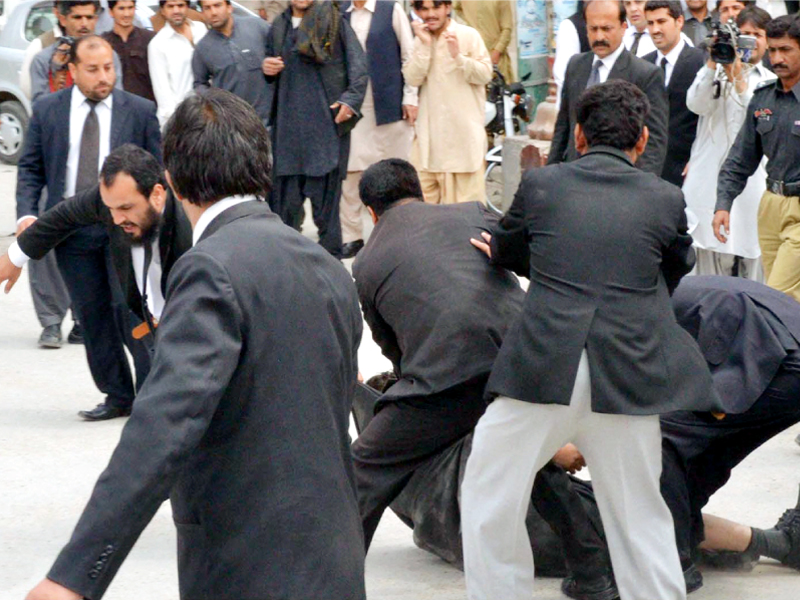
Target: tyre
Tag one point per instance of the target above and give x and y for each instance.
(13, 125)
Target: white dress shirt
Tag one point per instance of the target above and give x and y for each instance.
(607, 63)
(155, 297)
(720, 122)
(79, 110)
(213, 211)
(672, 58)
(169, 55)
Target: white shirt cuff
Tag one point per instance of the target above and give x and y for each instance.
(17, 257)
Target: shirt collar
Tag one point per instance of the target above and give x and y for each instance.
(370, 6)
(78, 98)
(611, 59)
(213, 211)
(795, 90)
(672, 55)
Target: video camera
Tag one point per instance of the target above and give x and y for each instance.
(725, 43)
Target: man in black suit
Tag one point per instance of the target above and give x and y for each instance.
(137, 210)
(609, 59)
(250, 445)
(750, 336)
(594, 358)
(69, 136)
(680, 64)
(441, 324)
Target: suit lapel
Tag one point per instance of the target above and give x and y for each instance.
(679, 67)
(583, 70)
(621, 67)
(119, 115)
(60, 141)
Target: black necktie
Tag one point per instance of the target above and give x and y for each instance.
(637, 37)
(664, 68)
(89, 156)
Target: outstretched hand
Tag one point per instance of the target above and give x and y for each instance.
(9, 272)
(485, 245)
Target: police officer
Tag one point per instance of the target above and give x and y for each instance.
(771, 129)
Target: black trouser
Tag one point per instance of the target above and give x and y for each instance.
(85, 263)
(324, 192)
(405, 434)
(699, 452)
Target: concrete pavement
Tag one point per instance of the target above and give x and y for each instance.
(50, 459)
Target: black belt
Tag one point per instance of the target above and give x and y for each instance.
(782, 188)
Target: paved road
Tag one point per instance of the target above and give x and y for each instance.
(49, 460)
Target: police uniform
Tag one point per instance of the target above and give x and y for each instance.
(771, 129)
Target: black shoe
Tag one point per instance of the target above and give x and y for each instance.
(104, 412)
(693, 578)
(76, 335)
(51, 337)
(599, 588)
(350, 249)
(789, 523)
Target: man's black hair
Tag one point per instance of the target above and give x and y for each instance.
(92, 41)
(786, 25)
(161, 3)
(64, 7)
(623, 12)
(216, 146)
(613, 114)
(417, 4)
(136, 162)
(674, 8)
(387, 182)
(754, 15)
(113, 3)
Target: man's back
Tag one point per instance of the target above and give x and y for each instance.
(604, 243)
(433, 303)
(243, 421)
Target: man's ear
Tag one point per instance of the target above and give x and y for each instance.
(641, 143)
(581, 145)
(158, 197)
(373, 215)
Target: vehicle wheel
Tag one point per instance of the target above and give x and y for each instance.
(13, 125)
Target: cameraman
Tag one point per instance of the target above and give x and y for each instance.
(720, 95)
(772, 129)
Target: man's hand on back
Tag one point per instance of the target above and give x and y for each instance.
(9, 272)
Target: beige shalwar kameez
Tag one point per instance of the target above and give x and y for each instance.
(450, 146)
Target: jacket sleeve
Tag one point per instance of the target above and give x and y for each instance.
(197, 352)
(742, 161)
(40, 76)
(561, 133)
(509, 245)
(31, 177)
(200, 71)
(678, 256)
(657, 122)
(58, 223)
(383, 334)
(357, 77)
(506, 19)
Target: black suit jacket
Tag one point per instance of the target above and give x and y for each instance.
(87, 208)
(682, 121)
(43, 162)
(646, 76)
(436, 308)
(243, 422)
(744, 330)
(603, 244)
